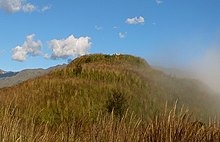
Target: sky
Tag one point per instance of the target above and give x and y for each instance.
(170, 33)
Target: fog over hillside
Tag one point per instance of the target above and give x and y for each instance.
(207, 69)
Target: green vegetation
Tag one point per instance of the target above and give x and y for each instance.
(105, 98)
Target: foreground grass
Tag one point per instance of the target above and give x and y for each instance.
(166, 126)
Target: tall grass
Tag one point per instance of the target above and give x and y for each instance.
(168, 126)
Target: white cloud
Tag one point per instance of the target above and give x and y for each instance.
(29, 47)
(98, 28)
(115, 27)
(45, 8)
(122, 35)
(61, 49)
(46, 56)
(135, 20)
(69, 47)
(29, 7)
(13, 6)
(159, 1)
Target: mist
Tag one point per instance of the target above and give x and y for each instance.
(207, 69)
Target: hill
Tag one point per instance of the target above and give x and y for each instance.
(107, 98)
(10, 78)
(94, 83)
(7, 74)
(13, 78)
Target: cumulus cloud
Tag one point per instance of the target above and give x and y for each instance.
(13, 6)
(207, 69)
(122, 35)
(69, 47)
(29, 48)
(135, 20)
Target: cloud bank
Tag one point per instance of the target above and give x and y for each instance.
(13, 6)
(29, 47)
(69, 47)
(135, 20)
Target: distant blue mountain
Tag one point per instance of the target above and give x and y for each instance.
(8, 74)
(12, 78)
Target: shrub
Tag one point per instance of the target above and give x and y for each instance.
(117, 103)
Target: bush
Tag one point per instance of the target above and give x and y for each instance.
(117, 103)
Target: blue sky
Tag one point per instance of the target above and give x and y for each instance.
(44, 33)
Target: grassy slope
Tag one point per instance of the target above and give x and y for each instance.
(98, 83)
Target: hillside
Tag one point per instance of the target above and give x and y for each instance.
(8, 79)
(107, 98)
(95, 83)
(7, 74)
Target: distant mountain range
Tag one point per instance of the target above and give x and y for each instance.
(9, 78)
(2, 72)
(7, 74)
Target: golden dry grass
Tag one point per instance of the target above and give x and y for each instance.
(168, 126)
